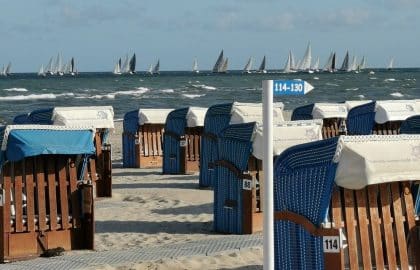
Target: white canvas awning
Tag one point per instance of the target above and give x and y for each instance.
(98, 117)
(287, 134)
(195, 116)
(395, 110)
(253, 112)
(350, 104)
(329, 110)
(153, 116)
(375, 159)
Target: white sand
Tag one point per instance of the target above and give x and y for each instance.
(149, 209)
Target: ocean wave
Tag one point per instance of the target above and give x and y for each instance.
(107, 96)
(203, 86)
(316, 78)
(373, 78)
(390, 80)
(136, 92)
(16, 89)
(352, 89)
(167, 90)
(396, 94)
(332, 84)
(35, 96)
(192, 95)
(361, 96)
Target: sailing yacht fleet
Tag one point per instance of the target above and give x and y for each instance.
(127, 65)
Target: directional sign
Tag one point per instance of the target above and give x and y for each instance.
(291, 87)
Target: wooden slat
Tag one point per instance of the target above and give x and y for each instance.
(351, 228)
(18, 189)
(40, 191)
(150, 140)
(75, 210)
(146, 140)
(375, 224)
(363, 228)
(337, 215)
(411, 223)
(154, 139)
(7, 172)
(387, 226)
(98, 143)
(64, 201)
(159, 140)
(30, 196)
(52, 194)
(197, 146)
(399, 225)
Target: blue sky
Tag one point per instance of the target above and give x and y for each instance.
(97, 32)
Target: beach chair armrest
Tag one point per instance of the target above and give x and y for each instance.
(230, 166)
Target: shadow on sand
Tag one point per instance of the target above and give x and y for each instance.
(185, 210)
(156, 185)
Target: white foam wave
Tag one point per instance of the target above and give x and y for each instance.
(332, 84)
(373, 78)
(352, 89)
(136, 92)
(192, 95)
(203, 86)
(361, 96)
(16, 89)
(107, 96)
(390, 80)
(316, 78)
(396, 94)
(35, 96)
(167, 90)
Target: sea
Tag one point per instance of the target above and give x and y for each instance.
(25, 92)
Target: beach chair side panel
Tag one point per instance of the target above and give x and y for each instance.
(103, 166)
(192, 151)
(42, 208)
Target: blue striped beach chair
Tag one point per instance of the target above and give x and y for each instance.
(45, 204)
(174, 142)
(234, 150)
(361, 119)
(303, 112)
(303, 182)
(368, 224)
(39, 117)
(129, 136)
(217, 118)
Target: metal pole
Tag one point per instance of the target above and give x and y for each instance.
(267, 99)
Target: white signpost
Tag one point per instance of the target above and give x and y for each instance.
(273, 88)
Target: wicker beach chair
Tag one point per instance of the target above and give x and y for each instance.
(303, 112)
(46, 207)
(361, 119)
(217, 118)
(174, 142)
(142, 138)
(389, 114)
(38, 117)
(193, 133)
(365, 220)
(234, 149)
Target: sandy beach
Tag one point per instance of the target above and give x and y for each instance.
(149, 209)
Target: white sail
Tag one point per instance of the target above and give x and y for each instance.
(7, 70)
(305, 64)
(150, 71)
(391, 64)
(262, 68)
(353, 65)
(292, 61)
(330, 65)
(248, 66)
(49, 67)
(225, 65)
(195, 66)
(288, 66)
(41, 71)
(362, 64)
(315, 66)
(117, 68)
(3, 71)
(125, 67)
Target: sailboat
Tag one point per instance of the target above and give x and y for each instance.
(362, 64)
(346, 64)
(305, 64)
(315, 67)
(262, 68)
(2, 71)
(125, 67)
(156, 68)
(391, 64)
(353, 66)
(59, 66)
(150, 70)
(248, 66)
(218, 66)
(72, 67)
(117, 68)
(7, 70)
(132, 65)
(49, 67)
(330, 65)
(195, 66)
(224, 66)
(41, 71)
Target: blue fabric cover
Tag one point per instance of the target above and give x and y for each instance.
(361, 119)
(22, 119)
(217, 118)
(303, 112)
(411, 125)
(130, 127)
(176, 122)
(234, 146)
(303, 183)
(27, 143)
